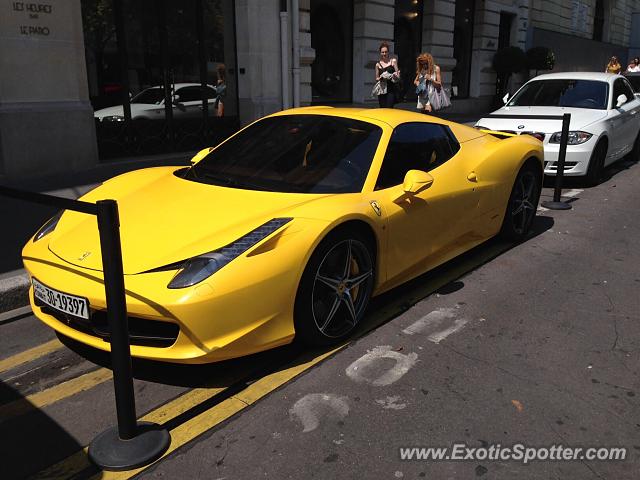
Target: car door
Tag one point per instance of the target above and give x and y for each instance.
(623, 119)
(422, 227)
(189, 104)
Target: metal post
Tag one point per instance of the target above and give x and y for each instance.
(130, 445)
(109, 229)
(557, 204)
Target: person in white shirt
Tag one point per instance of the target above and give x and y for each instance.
(634, 66)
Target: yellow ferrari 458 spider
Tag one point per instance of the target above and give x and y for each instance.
(284, 230)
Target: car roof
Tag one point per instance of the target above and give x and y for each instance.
(390, 116)
(601, 76)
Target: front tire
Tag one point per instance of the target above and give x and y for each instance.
(523, 203)
(596, 164)
(335, 288)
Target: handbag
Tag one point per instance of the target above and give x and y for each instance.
(438, 99)
(379, 89)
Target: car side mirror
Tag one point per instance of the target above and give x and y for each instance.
(621, 100)
(200, 155)
(505, 99)
(416, 181)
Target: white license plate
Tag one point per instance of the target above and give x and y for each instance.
(63, 302)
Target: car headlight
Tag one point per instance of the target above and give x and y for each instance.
(48, 227)
(198, 268)
(113, 118)
(575, 137)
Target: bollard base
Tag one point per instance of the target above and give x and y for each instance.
(109, 452)
(556, 205)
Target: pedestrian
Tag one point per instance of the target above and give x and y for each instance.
(387, 76)
(634, 66)
(613, 66)
(221, 90)
(427, 80)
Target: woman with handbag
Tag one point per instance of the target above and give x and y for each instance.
(387, 75)
(427, 81)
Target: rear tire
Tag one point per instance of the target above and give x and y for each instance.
(523, 204)
(335, 288)
(634, 154)
(596, 164)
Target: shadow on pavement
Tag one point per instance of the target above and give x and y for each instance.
(32, 441)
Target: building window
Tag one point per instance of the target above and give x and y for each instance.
(407, 39)
(598, 21)
(504, 31)
(332, 40)
(166, 47)
(462, 48)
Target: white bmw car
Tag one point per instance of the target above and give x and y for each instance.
(605, 125)
(149, 103)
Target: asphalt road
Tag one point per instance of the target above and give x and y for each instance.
(535, 344)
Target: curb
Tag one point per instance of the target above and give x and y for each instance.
(14, 292)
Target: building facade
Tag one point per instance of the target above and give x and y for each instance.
(62, 60)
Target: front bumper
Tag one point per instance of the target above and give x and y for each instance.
(576, 159)
(244, 308)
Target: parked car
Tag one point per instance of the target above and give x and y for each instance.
(605, 124)
(285, 229)
(149, 104)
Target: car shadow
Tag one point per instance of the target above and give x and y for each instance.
(33, 440)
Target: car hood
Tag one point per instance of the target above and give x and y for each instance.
(580, 119)
(165, 219)
(119, 110)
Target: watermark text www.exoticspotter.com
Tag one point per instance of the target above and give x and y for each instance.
(516, 453)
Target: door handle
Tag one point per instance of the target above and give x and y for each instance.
(472, 177)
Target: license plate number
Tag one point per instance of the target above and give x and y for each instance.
(63, 302)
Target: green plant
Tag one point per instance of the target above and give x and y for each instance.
(540, 58)
(507, 61)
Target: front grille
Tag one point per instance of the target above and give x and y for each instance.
(142, 331)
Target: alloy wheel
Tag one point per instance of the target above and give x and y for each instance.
(341, 288)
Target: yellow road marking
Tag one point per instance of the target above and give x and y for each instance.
(208, 419)
(79, 461)
(30, 355)
(54, 394)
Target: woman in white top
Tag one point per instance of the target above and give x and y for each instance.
(427, 79)
(387, 75)
(634, 66)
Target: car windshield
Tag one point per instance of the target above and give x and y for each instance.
(151, 96)
(562, 93)
(293, 153)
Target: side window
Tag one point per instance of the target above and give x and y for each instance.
(190, 94)
(621, 88)
(415, 146)
(628, 91)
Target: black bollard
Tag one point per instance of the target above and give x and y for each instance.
(557, 204)
(130, 444)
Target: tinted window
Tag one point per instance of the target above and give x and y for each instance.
(151, 96)
(415, 146)
(194, 94)
(563, 93)
(294, 153)
(620, 87)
